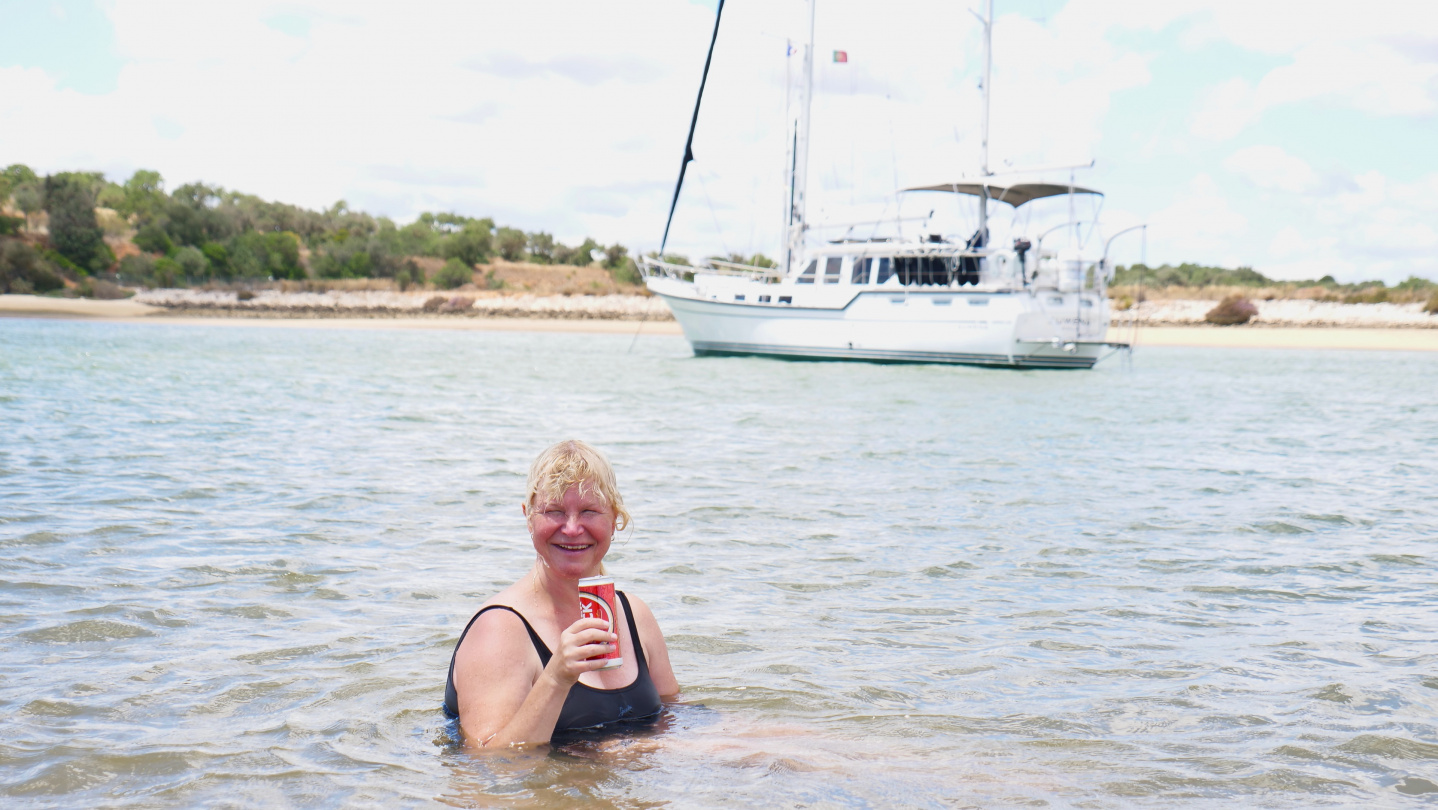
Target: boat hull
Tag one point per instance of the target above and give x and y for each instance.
(970, 328)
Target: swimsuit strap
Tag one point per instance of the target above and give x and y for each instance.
(633, 632)
(543, 649)
(539, 645)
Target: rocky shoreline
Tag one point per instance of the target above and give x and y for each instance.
(388, 304)
(1284, 313)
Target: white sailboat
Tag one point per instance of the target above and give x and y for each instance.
(928, 299)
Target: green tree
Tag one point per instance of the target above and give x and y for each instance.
(284, 253)
(30, 199)
(191, 217)
(254, 255)
(670, 258)
(167, 273)
(110, 196)
(541, 247)
(416, 239)
(152, 238)
(218, 257)
(70, 201)
(23, 270)
(511, 243)
(192, 262)
(354, 256)
(581, 256)
(14, 176)
(137, 269)
(471, 244)
(143, 196)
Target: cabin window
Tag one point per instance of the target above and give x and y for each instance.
(786, 299)
(738, 298)
(923, 270)
(807, 277)
(978, 302)
(1056, 301)
(943, 302)
(860, 273)
(886, 270)
(1087, 304)
(764, 299)
(831, 269)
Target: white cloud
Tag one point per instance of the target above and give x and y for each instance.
(1288, 242)
(1226, 110)
(1200, 221)
(1270, 167)
(1375, 229)
(1381, 59)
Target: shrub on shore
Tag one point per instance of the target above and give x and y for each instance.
(1432, 306)
(1232, 311)
(23, 270)
(455, 273)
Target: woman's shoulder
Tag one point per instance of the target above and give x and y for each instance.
(498, 633)
(638, 604)
(643, 616)
(502, 616)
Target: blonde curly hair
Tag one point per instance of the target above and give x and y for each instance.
(569, 463)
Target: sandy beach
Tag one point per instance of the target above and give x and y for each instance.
(1264, 336)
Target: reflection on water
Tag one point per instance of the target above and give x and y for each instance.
(236, 561)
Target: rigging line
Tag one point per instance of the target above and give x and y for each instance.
(642, 319)
(718, 231)
(880, 221)
(693, 122)
(1138, 298)
(1093, 223)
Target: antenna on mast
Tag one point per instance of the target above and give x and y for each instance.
(794, 226)
(988, 23)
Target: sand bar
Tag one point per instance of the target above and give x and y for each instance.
(130, 311)
(45, 307)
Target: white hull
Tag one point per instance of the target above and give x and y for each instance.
(1007, 328)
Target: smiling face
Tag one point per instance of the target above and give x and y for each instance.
(571, 534)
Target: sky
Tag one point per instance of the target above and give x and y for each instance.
(1297, 138)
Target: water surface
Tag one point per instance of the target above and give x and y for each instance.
(236, 560)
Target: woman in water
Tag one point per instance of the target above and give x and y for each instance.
(525, 666)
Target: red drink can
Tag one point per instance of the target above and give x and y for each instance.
(596, 601)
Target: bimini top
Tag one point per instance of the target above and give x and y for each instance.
(1015, 195)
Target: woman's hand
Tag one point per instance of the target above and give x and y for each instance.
(579, 643)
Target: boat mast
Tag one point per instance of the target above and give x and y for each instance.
(799, 167)
(786, 202)
(988, 23)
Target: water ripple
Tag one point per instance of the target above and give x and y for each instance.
(238, 559)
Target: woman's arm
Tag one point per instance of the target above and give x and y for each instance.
(656, 652)
(504, 697)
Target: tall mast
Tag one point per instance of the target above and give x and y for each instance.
(799, 167)
(786, 202)
(988, 22)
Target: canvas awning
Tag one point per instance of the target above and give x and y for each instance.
(1015, 195)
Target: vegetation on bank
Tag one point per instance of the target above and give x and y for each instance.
(60, 230)
(1136, 282)
(78, 233)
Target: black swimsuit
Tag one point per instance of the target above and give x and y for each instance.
(584, 706)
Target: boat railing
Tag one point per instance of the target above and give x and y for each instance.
(655, 268)
(724, 268)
